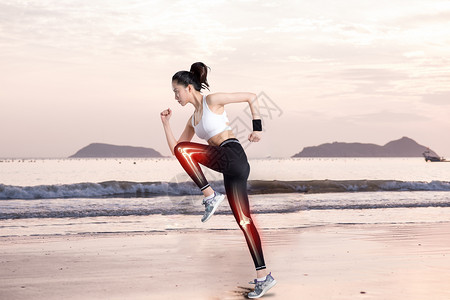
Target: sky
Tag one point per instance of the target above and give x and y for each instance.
(79, 72)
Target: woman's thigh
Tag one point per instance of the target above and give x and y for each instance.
(213, 157)
(230, 159)
(238, 166)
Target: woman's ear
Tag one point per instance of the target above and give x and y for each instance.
(190, 88)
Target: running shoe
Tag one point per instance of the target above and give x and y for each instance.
(261, 287)
(211, 205)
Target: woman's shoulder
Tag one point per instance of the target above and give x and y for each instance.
(220, 98)
(214, 104)
(214, 99)
(211, 99)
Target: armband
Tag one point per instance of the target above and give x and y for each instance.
(257, 125)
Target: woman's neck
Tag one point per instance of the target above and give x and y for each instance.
(197, 101)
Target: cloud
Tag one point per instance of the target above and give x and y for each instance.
(412, 54)
(332, 31)
(386, 116)
(374, 80)
(135, 29)
(426, 18)
(365, 63)
(441, 98)
(372, 74)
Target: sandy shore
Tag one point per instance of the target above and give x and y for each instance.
(384, 261)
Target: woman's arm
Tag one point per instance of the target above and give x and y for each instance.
(187, 134)
(165, 117)
(251, 98)
(254, 107)
(170, 138)
(227, 98)
(255, 136)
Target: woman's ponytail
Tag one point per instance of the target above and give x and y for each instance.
(200, 72)
(197, 76)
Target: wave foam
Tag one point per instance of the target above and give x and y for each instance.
(151, 189)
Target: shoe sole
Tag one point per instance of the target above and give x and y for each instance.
(265, 290)
(214, 208)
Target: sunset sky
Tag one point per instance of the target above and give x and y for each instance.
(78, 72)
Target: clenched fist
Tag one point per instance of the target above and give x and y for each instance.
(165, 115)
(255, 136)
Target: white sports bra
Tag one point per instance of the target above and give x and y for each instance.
(210, 123)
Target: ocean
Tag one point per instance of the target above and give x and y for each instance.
(55, 196)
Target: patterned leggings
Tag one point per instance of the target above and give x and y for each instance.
(229, 159)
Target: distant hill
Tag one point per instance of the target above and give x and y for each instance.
(404, 147)
(107, 150)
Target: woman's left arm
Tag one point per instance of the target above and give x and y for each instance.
(251, 98)
(254, 136)
(254, 107)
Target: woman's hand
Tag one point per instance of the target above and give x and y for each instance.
(165, 115)
(255, 136)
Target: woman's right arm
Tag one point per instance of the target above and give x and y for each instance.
(187, 135)
(165, 117)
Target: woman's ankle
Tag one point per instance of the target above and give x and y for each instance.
(262, 273)
(208, 191)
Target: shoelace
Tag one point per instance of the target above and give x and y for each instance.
(256, 280)
(206, 202)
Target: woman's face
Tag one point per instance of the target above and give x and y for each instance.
(181, 93)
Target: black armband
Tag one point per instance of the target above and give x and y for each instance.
(257, 125)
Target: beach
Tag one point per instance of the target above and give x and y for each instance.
(330, 228)
(330, 261)
(340, 111)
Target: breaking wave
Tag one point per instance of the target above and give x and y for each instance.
(127, 189)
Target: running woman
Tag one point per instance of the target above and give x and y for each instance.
(224, 154)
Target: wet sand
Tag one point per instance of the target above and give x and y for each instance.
(371, 261)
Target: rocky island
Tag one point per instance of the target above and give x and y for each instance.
(404, 147)
(107, 150)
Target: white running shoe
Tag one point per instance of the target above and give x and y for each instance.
(261, 287)
(211, 205)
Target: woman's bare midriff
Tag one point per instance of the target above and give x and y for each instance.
(220, 137)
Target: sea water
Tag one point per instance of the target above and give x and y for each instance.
(155, 191)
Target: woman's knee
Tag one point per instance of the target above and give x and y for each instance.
(179, 147)
(244, 222)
